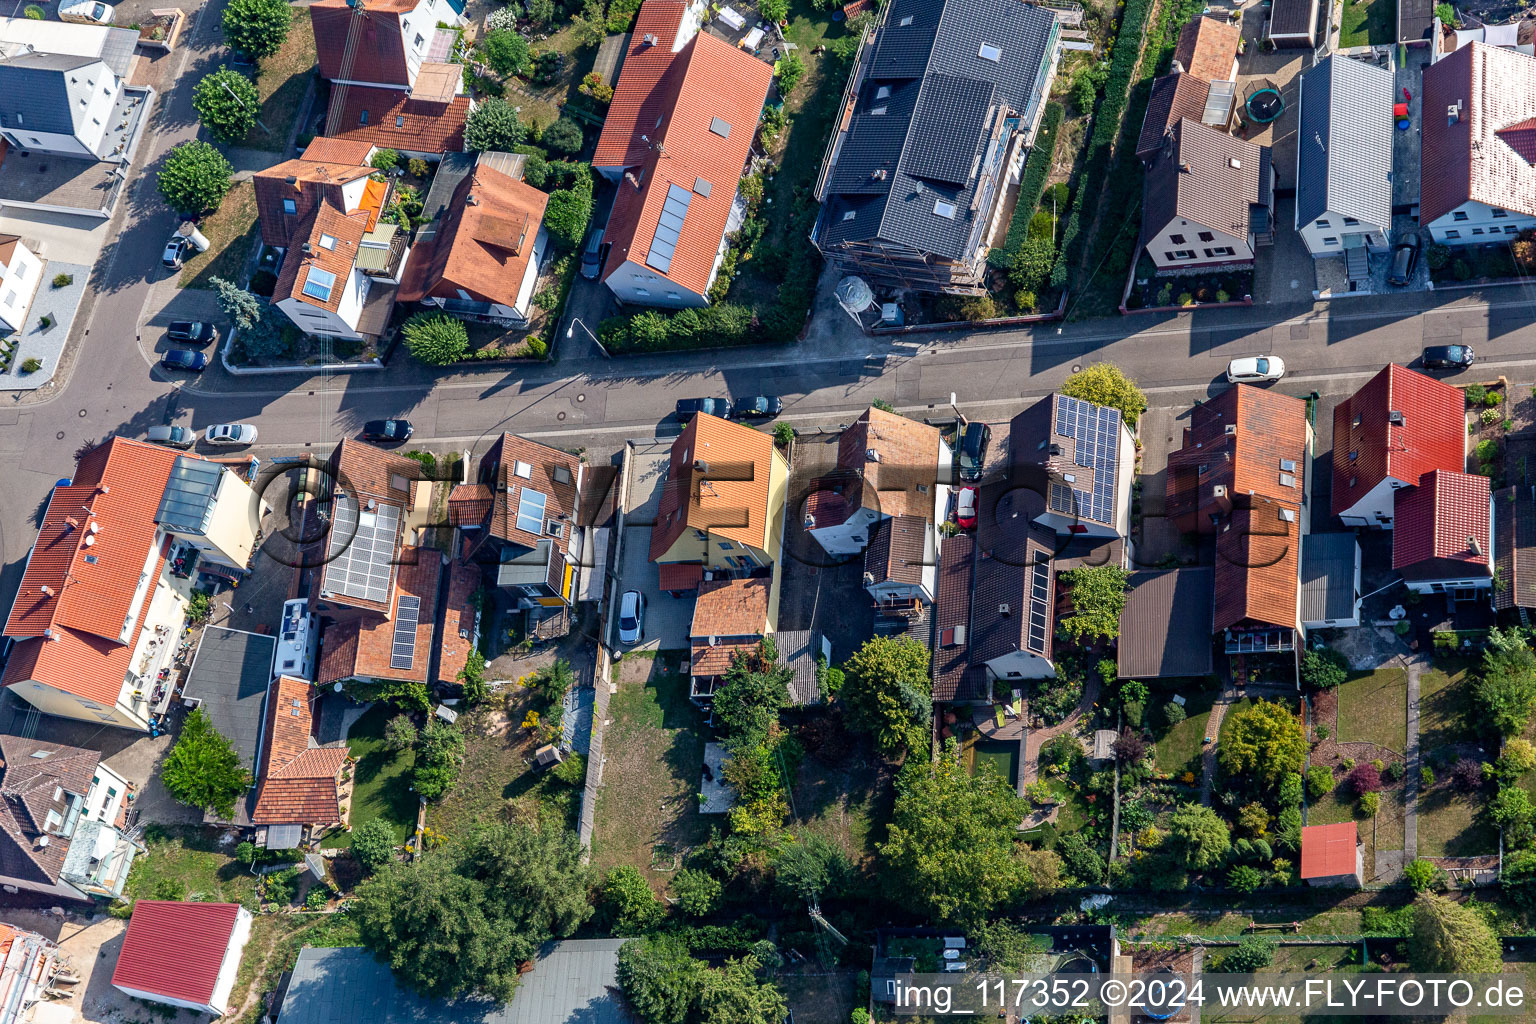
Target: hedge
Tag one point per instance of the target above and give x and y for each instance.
(1031, 186)
(1106, 125)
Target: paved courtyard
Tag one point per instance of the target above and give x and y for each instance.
(46, 344)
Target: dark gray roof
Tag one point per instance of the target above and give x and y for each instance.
(1414, 18)
(1293, 18)
(572, 981)
(451, 171)
(1193, 178)
(798, 649)
(1345, 163)
(1514, 547)
(1013, 570)
(1166, 623)
(187, 504)
(230, 674)
(1328, 563)
(34, 92)
(920, 144)
(1078, 444)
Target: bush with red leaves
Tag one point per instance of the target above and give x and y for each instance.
(1363, 779)
(1467, 775)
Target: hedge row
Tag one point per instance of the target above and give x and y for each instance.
(1031, 186)
(1106, 125)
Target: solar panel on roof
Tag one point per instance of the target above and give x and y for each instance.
(361, 550)
(1039, 599)
(1096, 431)
(530, 510)
(407, 613)
(664, 243)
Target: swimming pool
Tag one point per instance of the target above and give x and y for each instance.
(1000, 754)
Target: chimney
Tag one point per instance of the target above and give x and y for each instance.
(629, 176)
(878, 174)
(46, 589)
(1177, 68)
(1477, 549)
(470, 200)
(70, 523)
(700, 466)
(1003, 610)
(648, 40)
(1184, 167)
(305, 249)
(1395, 417)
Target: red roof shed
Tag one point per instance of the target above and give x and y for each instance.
(1328, 851)
(183, 954)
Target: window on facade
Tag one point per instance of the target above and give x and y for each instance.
(726, 545)
(1323, 224)
(1350, 222)
(643, 291)
(1498, 214)
(289, 206)
(1221, 250)
(1330, 241)
(10, 298)
(1176, 239)
(20, 271)
(1206, 236)
(1453, 233)
(419, 40)
(1184, 254)
(1477, 231)
(1459, 215)
(1510, 229)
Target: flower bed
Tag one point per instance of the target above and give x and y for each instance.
(1148, 290)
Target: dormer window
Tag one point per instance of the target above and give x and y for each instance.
(327, 241)
(290, 207)
(362, 118)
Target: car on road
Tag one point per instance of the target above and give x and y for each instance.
(1255, 369)
(92, 12)
(686, 407)
(973, 450)
(592, 255)
(184, 359)
(965, 509)
(193, 332)
(759, 407)
(231, 433)
(1447, 357)
(388, 430)
(171, 437)
(631, 617)
(1405, 262)
(175, 249)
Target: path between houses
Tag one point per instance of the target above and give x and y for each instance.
(1213, 732)
(1037, 738)
(1413, 666)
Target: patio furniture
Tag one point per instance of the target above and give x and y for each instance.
(733, 18)
(1001, 720)
(752, 39)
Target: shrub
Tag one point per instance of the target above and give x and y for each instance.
(1421, 875)
(439, 758)
(783, 434)
(504, 18)
(1487, 450)
(1173, 714)
(1253, 818)
(400, 733)
(31, 365)
(35, 12)
(1461, 270)
(627, 898)
(494, 125)
(385, 159)
(436, 338)
(697, 892)
(621, 14)
(1080, 859)
(1324, 669)
(1290, 789)
(418, 167)
(569, 210)
(281, 887)
(1426, 776)
(63, 280)
(1437, 256)
(1467, 775)
(1370, 803)
(1244, 878)
(1447, 15)
(1517, 758)
(564, 136)
(1319, 781)
(1062, 751)
(1363, 779)
(788, 69)
(373, 844)
(1392, 772)
(1250, 956)
(1031, 188)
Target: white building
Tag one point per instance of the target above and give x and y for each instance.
(183, 954)
(341, 280)
(20, 273)
(61, 86)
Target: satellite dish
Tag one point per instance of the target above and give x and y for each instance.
(854, 295)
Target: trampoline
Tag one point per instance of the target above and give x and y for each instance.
(1265, 104)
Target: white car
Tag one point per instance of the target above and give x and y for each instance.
(231, 433)
(631, 618)
(1255, 369)
(89, 13)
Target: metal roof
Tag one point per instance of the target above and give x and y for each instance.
(1328, 562)
(37, 93)
(1345, 163)
(571, 981)
(175, 949)
(187, 504)
(1165, 626)
(230, 673)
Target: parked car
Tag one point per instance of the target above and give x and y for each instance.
(91, 12)
(965, 509)
(1255, 369)
(184, 359)
(631, 617)
(231, 433)
(760, 407)
(175, 249)
(171, 437)
(592, 255)
(1405, 261)
(973, 450)
(192, 331)
(388, 430)
(686, 407)
(1447, 357)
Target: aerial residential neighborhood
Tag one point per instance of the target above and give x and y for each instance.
(762, 511)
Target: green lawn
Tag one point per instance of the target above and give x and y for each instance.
(281, 81)
(194, 860)
(1179, 748)
(845, 799)
(1451, 824)
(231, 231)
(383, 782)
(1367, 23)
(1444, 708)
(1373, 708)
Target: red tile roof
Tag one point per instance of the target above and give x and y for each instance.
(316, 182)
(336, 151)
(395, 121)
(1368, 448)
(469, 504)
(899, 480)
(1328, 851)
(504, 466)
(298, 782)
(175, 949)
(1441, 526)
(484, 249)
(729, 608)
(1207, 48)
(681, 575)
(324, 221)
(708, 659)
(117, 487)
(708, 80)
(379, 51)
(1258, 563)
(743, 457)
(1485, 155)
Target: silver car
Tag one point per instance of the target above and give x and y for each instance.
(1255, 369)
(631, 618)
(231, 433)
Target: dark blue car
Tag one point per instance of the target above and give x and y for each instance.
(184, 359)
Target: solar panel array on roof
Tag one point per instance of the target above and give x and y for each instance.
(1039, 605)
(319, 283)
(407, 613)
(530, 510)
(1096, 430)
(361, 550)
(665, 241)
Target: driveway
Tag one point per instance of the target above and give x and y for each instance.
(668, 620)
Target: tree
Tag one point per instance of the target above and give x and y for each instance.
(436, 338)
(1324, 669)
(1130, 748)
(1519, 878)
(1202, 836)
(735, 994)
(1511, 810)
(553, 681)
(226, 104)
(1517, 758)
(564, 136)
(203, 770)
(400, 733)
(569, 209)
(505, 51)
(1253, 818)
(1449, 938)
(373, 844)
(697, 892)
(811, 868)
(1106, 384)
(1422, 875)
(1082, 861)
(1506, 688)
(1032, 264)
(260, 334)
(754, 690)
(1263, 742)
(1250, 956)
(1174, 713)
(788, 69)
(463, 919)
(774, 11)
(1006, 947)
(950, 841)
(629, 901)
(888, 693)
(1098, 595)
(256, 28)
(195, 178)
(1467, 774)
(472, 675)
(493, 125)
(439, 758)
(659, 979)
(384, 159)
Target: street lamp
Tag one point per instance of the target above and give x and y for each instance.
(571, 332)
(238, 100)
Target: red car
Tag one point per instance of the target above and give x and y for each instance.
(965, 509)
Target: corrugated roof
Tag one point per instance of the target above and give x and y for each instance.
(1442, 526)
(1212, 192)
(1514, 547)
(1328, 851)
(1328, 562)
(175, 949)
(1345, 160)
(1471, 157)
(1369, 448)
(1164, 626)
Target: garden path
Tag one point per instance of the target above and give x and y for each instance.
(1038, 738)
(1413, 666)
(1212, 732)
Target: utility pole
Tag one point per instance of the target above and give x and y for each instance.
(225, 86)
